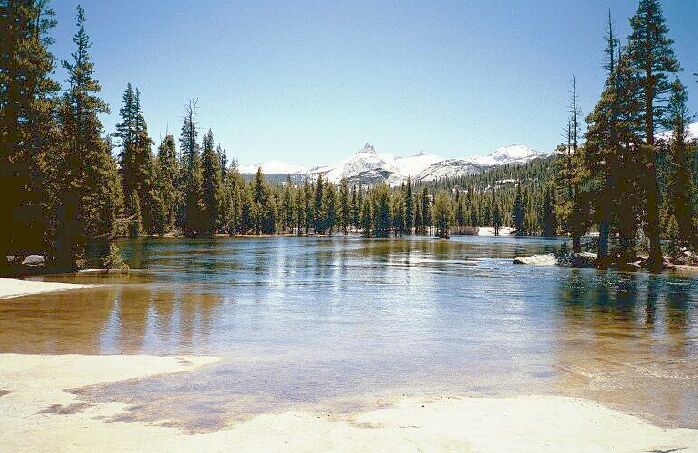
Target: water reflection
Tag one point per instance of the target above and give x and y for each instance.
(122, 319)
(629, 341)
(316, 321)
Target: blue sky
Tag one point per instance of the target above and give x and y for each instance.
(309, 82)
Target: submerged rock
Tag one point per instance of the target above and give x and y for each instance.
(122, 270)
(537, 260)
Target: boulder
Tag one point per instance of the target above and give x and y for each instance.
(34, 261)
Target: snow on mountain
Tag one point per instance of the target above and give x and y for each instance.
(450, 168)
(510, 154)
(273, 167)
(414, 165)
(368, 167)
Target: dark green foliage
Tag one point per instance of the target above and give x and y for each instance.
(409, 207)
(212, 186)
(166, 186)
(366, 218)
(680, 186)
(345, 208)
(28, 131)
(137, 169)
(651, 55)
(380, 199)
(89, 198)
(442, 213)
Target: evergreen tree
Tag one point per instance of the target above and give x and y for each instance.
(426, 211)
(652, 57)
(442, 214)
(135, 224)
(366, 217)
(193, 182)
(288, 208)
(301, 221)
(381, 210)
(166, 173)
(398, 213)
(235, 189)
(309, 211)
(518, 214)
(681, 186)
(212, 184)
(409, 206)
(549, 220)
(418, 219)
(318, 207)
(355, 207)
(90, 195)
(137, 170)
(496, 217)
(330, 209)
(344, 206)
(28, 131)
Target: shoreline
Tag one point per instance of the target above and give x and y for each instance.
(43, 416)
(11, 288)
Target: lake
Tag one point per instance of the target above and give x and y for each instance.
(338, 324)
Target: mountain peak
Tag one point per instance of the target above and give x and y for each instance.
(367, 149)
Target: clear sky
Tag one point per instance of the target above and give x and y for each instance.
(309, 82)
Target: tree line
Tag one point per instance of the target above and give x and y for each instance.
(65, 187)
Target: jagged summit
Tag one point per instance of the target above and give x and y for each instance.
(367, 149)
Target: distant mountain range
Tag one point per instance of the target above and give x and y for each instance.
(368, 167)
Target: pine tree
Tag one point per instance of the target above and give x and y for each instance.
(309, 211)
(418, 220)
(288, 207)
(344, 206)
(301, 220)
(137, 169)
(518, 214)
(135, 224)
(496, 217)
(330, 209)
(259, 194)
(366, 217)
(28, 130)
(318, 207)
(212, 189)
(193, 181)
(426, 211)
(398, 213)
(167, 171)
(381, 210)
(651, 55)
(548, 215)
(235, 189)
(91, 198)
(681, 186)
(442, 214)
(602, 141)
(355, 207)
(409, 206)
